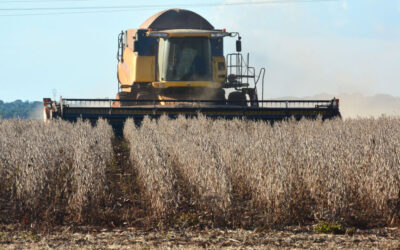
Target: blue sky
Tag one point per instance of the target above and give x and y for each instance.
(344, 46)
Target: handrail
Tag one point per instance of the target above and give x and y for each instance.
(262, 71)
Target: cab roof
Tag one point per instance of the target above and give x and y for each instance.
(176, 19)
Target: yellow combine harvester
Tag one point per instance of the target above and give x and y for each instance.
(178, 55)
(174, 64)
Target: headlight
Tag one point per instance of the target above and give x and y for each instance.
(219, 34)
(157, 34)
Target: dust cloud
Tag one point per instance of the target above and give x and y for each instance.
(357, 105)
(305, 56)
(36, 113)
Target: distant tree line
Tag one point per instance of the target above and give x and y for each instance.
(19, 109)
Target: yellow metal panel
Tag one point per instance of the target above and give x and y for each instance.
(135, 68)
(168, 84)
(219, 68)
(126, 68)
(130, 37)
(145, 69)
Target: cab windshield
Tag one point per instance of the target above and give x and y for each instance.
(185, 59)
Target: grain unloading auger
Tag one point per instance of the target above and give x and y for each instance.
(174, 65)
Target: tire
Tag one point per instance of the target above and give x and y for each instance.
(237, 98)
(125, 96)
(220, 96)
(145, 96)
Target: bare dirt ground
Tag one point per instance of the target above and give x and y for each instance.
(125, 238)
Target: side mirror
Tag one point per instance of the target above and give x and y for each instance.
(136, 46)
(238, 46)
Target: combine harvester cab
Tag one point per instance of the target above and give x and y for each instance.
(174, 65)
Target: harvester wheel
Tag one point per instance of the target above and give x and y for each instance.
(237, 98)
(145, 96)
(221, 97)
(125, 96)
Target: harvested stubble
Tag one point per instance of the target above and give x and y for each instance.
(54, 170)
(292, 172)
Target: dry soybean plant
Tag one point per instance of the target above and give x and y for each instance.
(291, 172)
(53, 170)
(195, 159)
(238, 173)
(152, 164)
